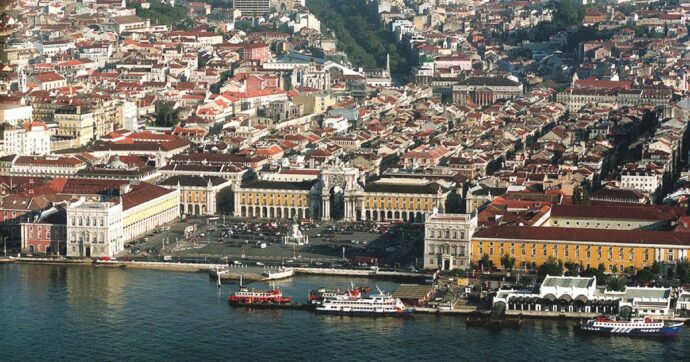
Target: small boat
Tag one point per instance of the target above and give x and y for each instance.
(279, 274)
(646, 327)
(246, 297)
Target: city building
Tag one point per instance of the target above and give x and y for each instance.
(146, 207)
(77, 122)
(252, 7)
(448, 241)
(617, 250)
(45, 233)
(615, 217)
(31, 139)
(486, 90)
(198, 194)
(582, 294)
(94, 228)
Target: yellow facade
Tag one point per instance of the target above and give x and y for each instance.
(620, 256)
(400, 203)
(137, 214)
(273, 198)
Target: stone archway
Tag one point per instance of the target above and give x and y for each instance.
(335, 180)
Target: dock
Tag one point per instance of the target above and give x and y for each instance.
(368, 273)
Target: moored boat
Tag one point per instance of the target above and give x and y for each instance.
(646, 327)
(246, 297)
(317, 296)
(381, 304)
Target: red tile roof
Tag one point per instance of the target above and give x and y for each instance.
(529, 233)
(141, 193)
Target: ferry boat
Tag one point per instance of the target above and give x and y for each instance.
(633, 327)
(376, 305)
(246, 297)
(317, 296)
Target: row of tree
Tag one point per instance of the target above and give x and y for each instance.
(615, 280)
(360, 33)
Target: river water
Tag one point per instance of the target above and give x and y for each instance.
(77, 313)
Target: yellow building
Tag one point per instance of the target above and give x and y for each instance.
(402, 199)
(146, 207)
(619, 249)
(74, 121)
(198, 194)
(276, 199)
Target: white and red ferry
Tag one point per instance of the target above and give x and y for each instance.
(245, 297)
(317, 296)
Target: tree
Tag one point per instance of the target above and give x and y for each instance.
(683, 270)
(486, 262)
(594, 272)
(507, 262)
(645, 276)
(572, 269)
(580, 196)
(166, 114)
(225, 200)
(551, 267)
(617, 284)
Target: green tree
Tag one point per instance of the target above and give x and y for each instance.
(594, 272)
(507, 262)
(683, 270)
(645, 276)
(551, 267)
(572, 269)
(617, 284)
(166, 114)
(580, 196)
(225, 200)
(486, 262)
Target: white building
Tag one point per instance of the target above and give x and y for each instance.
(447, 241)
(94, 228)
(15, 114)
(645, 179)
(339, 123)
(130, 119)
(581, 294)
(33, 139)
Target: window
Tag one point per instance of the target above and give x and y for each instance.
(566, 251)
(543, 249)
(610, 253)
(589, 254)
(534, 250)
(620, 254)
(555, 250)
(646, 255)
(632, 254)
(670, 254)
(522, 249)
(599, 252)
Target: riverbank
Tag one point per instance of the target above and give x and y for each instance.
(233, 273)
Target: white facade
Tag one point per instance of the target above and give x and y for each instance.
(15, 114)
(339, 123)
(94, 229)
(447, 241)
(647, 182)
(130, 116)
